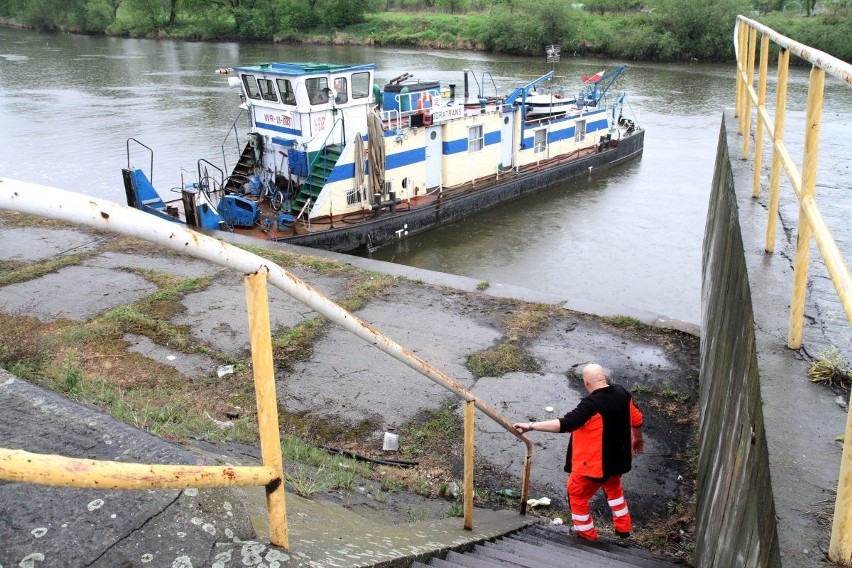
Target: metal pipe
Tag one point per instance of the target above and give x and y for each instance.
(27, 467)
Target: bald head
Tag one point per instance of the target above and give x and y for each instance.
(594, 377)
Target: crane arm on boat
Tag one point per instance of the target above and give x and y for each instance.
(525, 90)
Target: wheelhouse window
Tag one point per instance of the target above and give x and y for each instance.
(353, 197)
(580, 131)
(540, 141)
(360, 85)
(317, 90)
(252, 90)
(474, 138)
(267, 90)
(342, 90)
(288, 95)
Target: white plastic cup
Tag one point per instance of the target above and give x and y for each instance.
(391, 443)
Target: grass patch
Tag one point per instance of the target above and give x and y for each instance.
(624, 322)
(296, 343)
(501, 359)
(391, 484)
(21, 272)
(22, 345)
(673, 536)
(130, 319)
(307, 481)
(317, 264)
(527, 321)
(366, 288)
(456, 509)
(431, 430)
(482, 286)
(830, 368)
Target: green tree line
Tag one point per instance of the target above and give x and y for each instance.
(666, 30)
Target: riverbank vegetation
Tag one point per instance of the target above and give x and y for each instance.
(665, 30)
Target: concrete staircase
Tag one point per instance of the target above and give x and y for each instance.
(541, 546)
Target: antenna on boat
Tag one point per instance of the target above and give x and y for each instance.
(553, 56)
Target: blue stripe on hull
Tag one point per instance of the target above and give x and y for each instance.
(405, 158)
(277, 128)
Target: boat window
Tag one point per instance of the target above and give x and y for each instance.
(317, 90)
(540, 140)
(342, 91)
(267, 90)
(360, 85)
(474, 138)
(288, 96)
(252, 89)
(579, 131)
(353, 197)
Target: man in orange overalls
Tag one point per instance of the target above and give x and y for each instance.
(607, 430)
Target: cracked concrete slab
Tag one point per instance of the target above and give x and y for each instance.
(177, 265)
(217, 314)
(74, 292)
(33, 244)
(189, 365)
(348, 378)
(58, 527)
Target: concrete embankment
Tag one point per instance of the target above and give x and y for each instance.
(769, 459)
(442, 318)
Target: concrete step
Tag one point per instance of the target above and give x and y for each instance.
(540, 546)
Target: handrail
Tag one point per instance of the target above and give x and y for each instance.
(315, 159)
(803, 183)
(102, 214)
(236, 138)
(150, 151)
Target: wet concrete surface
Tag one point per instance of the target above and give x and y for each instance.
(440, 317)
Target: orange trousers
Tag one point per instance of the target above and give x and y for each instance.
(581, 489)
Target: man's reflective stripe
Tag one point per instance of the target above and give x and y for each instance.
(617, 501)
(582, 528)
(580, 517)
(620, 512)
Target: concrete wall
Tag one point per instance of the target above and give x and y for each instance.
(769, 460)
(735, 524)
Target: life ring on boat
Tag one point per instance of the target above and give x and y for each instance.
(421, 102)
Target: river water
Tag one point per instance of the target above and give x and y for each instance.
(629, 237)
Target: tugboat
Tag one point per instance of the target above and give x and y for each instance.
(333, 160)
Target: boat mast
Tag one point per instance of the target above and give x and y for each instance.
(552, 52)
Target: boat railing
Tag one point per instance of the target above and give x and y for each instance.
(150, 155)
(390, 117)
(214, 189)
(479, 85)
(233, 130)
(324, 149)
(19, 465)
(803, 182)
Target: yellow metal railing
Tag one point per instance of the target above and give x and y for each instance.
(22, 466)
(803, 181)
